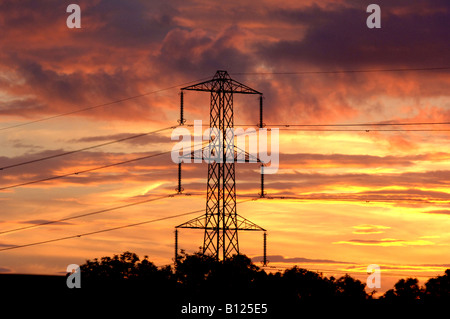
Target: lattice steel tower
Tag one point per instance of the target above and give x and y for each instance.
(221, 221)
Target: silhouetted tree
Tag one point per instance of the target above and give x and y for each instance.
(119, 267)
(203, 277)
(125, 272)
(193, 270)
(197, 279)
(305, 285)
(438, 289)
(350, 288)
(405, 290)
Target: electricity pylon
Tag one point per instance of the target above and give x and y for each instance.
(221, 222)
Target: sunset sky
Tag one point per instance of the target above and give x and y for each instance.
(375, 197)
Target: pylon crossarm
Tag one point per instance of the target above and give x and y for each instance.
(239, 155)
(242, 88)
(248, 158)
(198, 153)
(245, 224)
(211, 86)
(206, 86)
(198, 222)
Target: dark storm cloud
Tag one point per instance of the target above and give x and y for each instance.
(132, 23)
(199, 53)
(67, 91)
(339, 38)
(124, 47)
(60, 70)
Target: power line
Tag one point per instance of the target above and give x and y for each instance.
(241, 73)
(338, 198)
(109, 229)
(90, 169)
(83, 171)
(99, 231)
(285, 127)
(272, 125)
(281, 267)
(364, 124)
(363, 130)
(299, 127)
(86, 214)
(345, 71)
(325, 198)
(85, 148)
(98, 105)
(342, 124)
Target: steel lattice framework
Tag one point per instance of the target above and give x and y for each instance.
(221, 221)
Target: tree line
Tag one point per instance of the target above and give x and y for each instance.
(200, 278)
